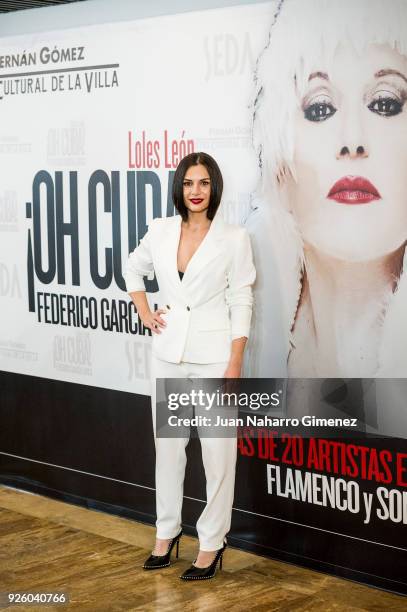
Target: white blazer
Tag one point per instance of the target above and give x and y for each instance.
(212, 304)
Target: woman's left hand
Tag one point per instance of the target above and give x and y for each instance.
(233, 371)
(236, 358)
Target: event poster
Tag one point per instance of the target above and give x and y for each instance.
(91, 136)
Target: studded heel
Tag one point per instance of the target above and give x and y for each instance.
(160, 561)
(204, 573)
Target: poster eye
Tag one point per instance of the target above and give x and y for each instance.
(319, 111)
(386, 107)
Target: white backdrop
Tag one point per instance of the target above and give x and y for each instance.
(186, 77)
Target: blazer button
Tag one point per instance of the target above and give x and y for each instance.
(188, 308)
(168, 307)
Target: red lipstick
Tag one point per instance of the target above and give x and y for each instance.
(196, 200)
(353, 190)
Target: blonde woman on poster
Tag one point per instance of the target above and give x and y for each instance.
(329, 221)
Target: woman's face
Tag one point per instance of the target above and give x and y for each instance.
(197, 188)
(350, 196)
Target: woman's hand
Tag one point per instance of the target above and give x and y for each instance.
(152, 320)
(234, 367)
(233, 370)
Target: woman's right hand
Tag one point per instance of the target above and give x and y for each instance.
(152, 320)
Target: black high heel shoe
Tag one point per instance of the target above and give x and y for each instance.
(204, 573)
(159, 561)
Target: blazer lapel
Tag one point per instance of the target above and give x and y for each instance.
(207, 250)
(169, 248)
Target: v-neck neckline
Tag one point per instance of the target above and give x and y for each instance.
(194, 253)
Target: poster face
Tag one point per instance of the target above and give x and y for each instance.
(330, 220)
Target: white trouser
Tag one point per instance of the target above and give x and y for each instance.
(219, 460)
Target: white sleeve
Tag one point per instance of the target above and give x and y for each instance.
(139, 264)
(241, 276)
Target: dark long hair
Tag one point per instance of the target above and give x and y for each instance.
(193, 159)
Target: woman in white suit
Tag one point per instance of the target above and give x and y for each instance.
(204, 269)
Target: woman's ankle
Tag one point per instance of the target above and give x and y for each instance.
(205, 558)
(161, 546)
